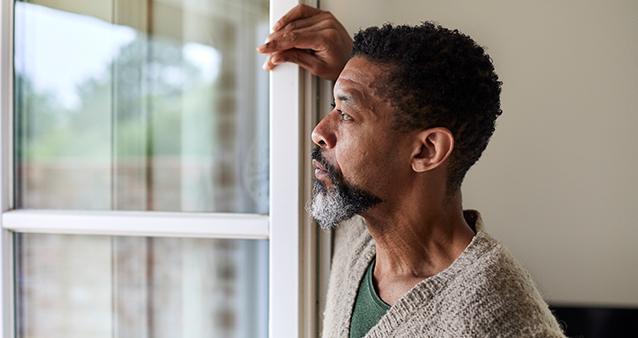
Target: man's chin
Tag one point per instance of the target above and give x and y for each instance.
(334, 202)
(329, 211)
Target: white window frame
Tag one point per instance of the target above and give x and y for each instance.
(298, 272)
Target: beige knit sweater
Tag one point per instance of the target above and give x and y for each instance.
(484, 293)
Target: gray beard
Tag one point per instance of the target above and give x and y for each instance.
(328, 207)
(341, 202)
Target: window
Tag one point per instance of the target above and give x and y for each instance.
(123, 286)
(141, 105)
(140, 196)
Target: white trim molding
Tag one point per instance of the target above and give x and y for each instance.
(137, 223)
(6, 118)
(292, 298)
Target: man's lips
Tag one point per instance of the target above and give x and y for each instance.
(319, 169)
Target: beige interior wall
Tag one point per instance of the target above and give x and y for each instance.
(559, 182)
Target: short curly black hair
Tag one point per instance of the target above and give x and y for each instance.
(437, 78)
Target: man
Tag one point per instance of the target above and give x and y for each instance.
(414, 109)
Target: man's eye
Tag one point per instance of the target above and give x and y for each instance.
(333, 105)
(344, 116)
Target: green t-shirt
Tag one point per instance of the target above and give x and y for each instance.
(368, 308)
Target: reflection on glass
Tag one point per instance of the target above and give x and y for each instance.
(141, 105)
(99, 286)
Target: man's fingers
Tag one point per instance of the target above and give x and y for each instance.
(299, 12)
(319, 20)
(305, 29)
(300, 57)
(309, 61)
(299, 40)
(295, 29)
(268, 65)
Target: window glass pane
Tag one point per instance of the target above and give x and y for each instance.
(141, 105)
(100, 286)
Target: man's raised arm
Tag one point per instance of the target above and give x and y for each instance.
(312, 38)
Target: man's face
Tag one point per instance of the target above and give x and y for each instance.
(331, 206)
(361, 161)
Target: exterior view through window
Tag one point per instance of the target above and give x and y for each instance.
(141, 105)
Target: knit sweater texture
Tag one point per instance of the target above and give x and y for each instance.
(484, 293)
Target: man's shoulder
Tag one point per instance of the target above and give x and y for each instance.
(488, 276)
(489, 293)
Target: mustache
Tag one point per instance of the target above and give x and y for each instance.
(335, 175)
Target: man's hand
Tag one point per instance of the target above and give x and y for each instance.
(312, 38)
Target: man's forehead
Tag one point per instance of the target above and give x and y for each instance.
(356, 80)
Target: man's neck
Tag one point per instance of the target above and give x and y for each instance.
(414, 244)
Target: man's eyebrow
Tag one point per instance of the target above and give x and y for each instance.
(345, 97)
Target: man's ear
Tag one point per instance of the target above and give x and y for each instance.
(431, 148)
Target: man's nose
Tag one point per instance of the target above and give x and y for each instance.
(324, 133)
